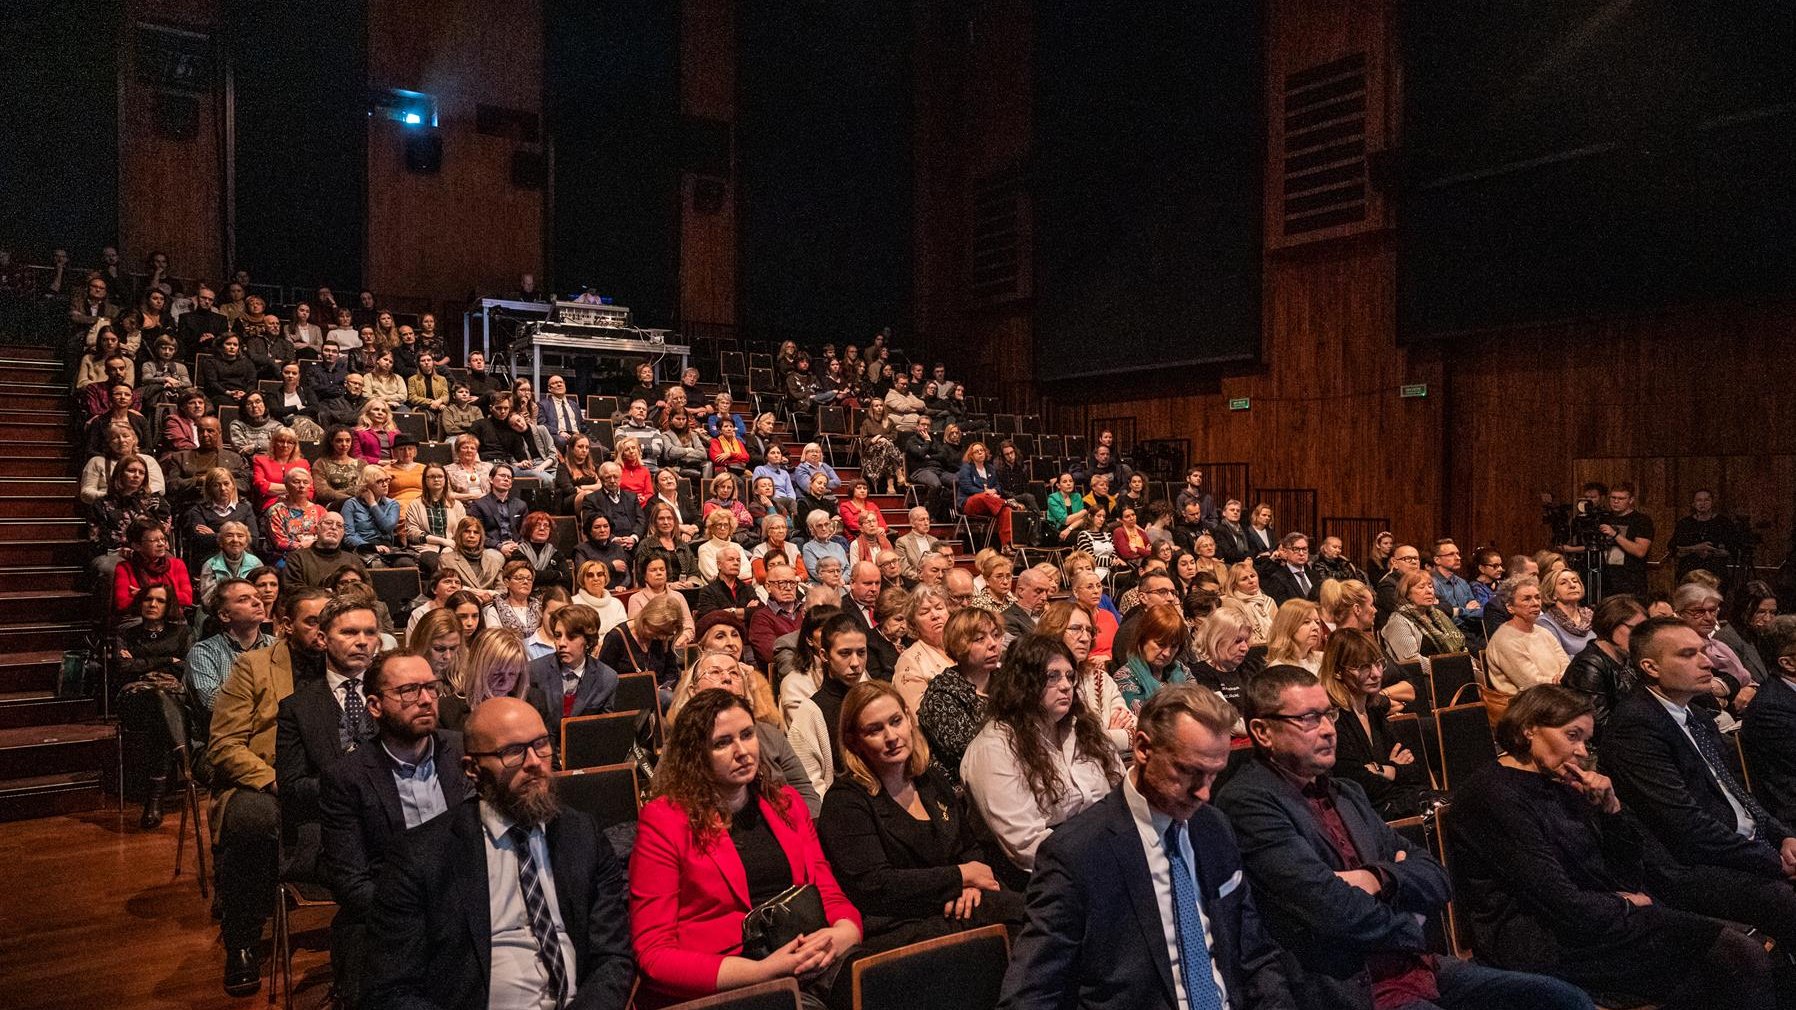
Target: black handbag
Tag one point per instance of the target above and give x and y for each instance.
(781, 919)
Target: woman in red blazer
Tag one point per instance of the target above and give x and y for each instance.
(723, 834)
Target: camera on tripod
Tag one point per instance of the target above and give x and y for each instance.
(1579, 523)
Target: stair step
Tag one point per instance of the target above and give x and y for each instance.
(61, 451)
(47, 578)
(13, 530)
(50, 795)
(42, 636)
(14, 368)
(34, 431)
(32, 466)
(44, 552)
(28, 352)
(60, 484)
(25, 604)
(38, 506)
(55, 389)
(19, 709)
(30, 672)
(59, 748)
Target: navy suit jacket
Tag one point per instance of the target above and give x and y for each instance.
(1277, 581)
(1327, 924)
(1769, 737)
(362, 819)
(598, 689)
(1095, 939)
(545, 416)
(1659, 775)
(431, 925)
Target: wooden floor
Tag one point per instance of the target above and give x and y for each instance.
(92, 917)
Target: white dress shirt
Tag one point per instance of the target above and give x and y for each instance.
(1151, 825)
(1000, 790)
(1680, 714)
(516, 980)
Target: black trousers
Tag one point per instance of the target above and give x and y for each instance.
(248, 855)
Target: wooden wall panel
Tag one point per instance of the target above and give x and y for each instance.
(709, 234)
(1673, 401)
(169, 191)
(466, 228)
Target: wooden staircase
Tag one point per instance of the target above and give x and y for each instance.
(56, 753)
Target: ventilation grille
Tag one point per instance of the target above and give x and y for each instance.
(998, 265)
(1325, 146)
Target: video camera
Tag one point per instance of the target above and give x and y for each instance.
(1579, 523)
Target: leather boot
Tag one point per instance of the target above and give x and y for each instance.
(152, 804)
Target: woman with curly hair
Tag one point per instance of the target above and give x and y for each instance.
(1041, 757)
(723, 834)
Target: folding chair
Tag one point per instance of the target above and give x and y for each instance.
(637, 691)
(964, 971)
(290, 896)
(1450, 672)
(396, 587)
(1406, 727)
(176, 718)
(440, 453)
(608, 794)
(1466, 741)
(760, 380)
(415, 424)
(733, 364)
(589, 741)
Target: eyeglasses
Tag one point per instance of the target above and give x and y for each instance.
(1702, 611)
(783, 584)
(1308, 720)
(1407, 557)
(512, 755)
(408, 693)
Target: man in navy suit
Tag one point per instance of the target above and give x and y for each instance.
(1342, 892)
(1288, 574)
(1139, 903)
(1671, 767)
(1769, 731)
(408, 775)
(572, 681)
(561, 413)
(507, 901)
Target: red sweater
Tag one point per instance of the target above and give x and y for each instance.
(128, 578)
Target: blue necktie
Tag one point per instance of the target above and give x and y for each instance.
(1201, 992)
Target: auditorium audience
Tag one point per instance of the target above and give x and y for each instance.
(1366, 752)
(1297, 635)
(1563, 612)
(1419, 628)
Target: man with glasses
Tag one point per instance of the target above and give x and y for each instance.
(1452, 593)
(1405, 559)
(1288, 574)
(508, 902)
(1341, 891)
(781, 616)
(411, 774)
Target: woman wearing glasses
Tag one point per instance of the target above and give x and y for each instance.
(723, 835)
(1040, 757)
(1365, 751)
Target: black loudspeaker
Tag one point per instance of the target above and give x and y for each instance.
(177, 116)
(424, 153)
(529, 169)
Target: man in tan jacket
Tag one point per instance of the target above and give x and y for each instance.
(245, 812)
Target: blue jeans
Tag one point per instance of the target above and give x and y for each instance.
(1468, 986)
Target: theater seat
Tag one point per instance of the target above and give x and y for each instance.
(779, 994)
(960, 972)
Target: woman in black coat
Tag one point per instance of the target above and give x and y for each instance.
(1395, 779)
(899, 839)
(1555, 878)
(230, 376)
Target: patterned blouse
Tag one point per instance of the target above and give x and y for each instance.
(949, 715)
(288, 523)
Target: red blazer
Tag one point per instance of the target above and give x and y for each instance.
(852, 515)
(687, 901)
(266, 472)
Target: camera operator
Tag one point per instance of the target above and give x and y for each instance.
(1624, 561)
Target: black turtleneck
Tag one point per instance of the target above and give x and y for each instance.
(829, 699)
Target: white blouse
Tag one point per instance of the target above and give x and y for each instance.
(916, 667)
(1000, 791)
